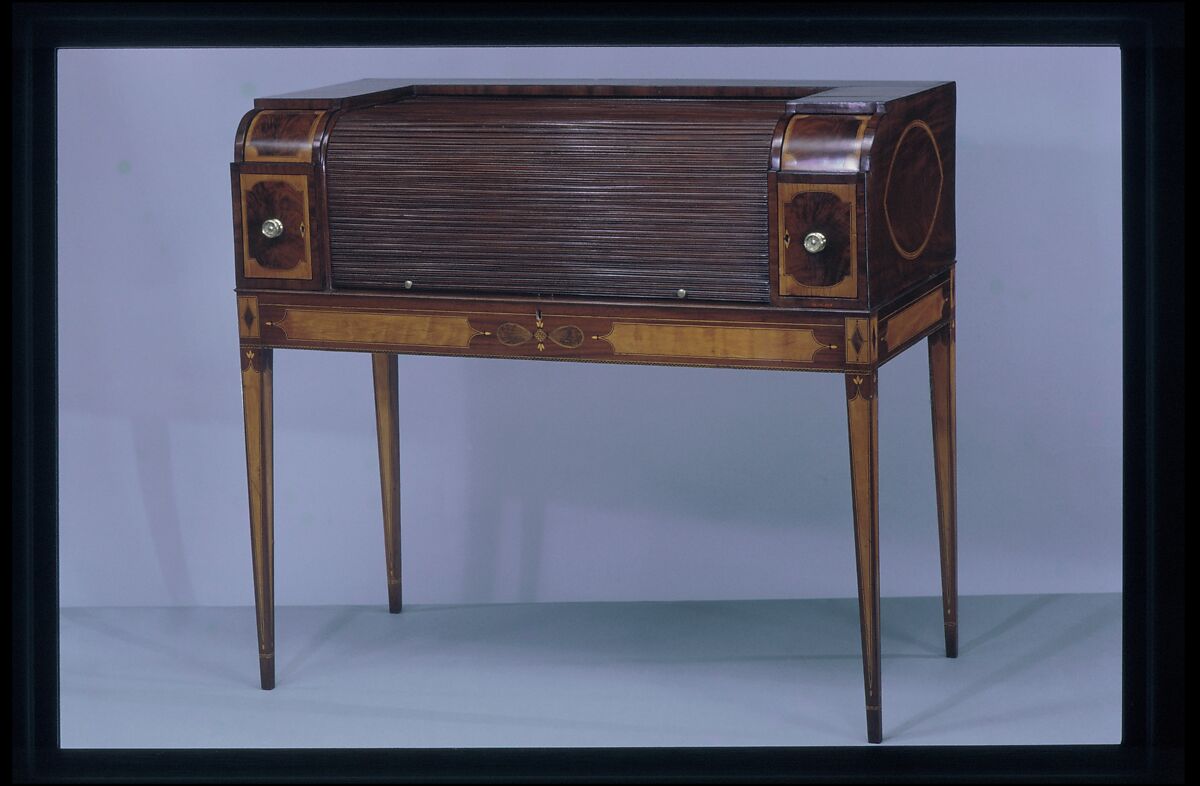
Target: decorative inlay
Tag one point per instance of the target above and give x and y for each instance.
(822, 222)
(828, 208)
(255, 359)
(861, 386)
(858, 340)
(283, 197)
(797, 345)
(248, 321)
(567, 336)
(924, 313)
(382, 328)
(915, 176)
(511, 334)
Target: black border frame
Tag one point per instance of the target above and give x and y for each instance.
(1151, 38)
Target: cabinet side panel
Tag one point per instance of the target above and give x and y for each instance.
(910, 193)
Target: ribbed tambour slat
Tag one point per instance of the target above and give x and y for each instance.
(584, 196)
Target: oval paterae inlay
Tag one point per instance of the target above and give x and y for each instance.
(511, 334)
(567, 336)
(912, 197)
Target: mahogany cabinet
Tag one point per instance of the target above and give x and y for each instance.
(756, 226)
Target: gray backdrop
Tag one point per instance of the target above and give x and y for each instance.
(528, 481)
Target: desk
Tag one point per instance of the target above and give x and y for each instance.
(764, 226)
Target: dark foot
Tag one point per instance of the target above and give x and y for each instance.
(951, 641)
(874, 725)
(266, 671)
(394, 598)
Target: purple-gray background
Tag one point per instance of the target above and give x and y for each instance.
(527, 481)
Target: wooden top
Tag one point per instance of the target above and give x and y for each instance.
(832, 97)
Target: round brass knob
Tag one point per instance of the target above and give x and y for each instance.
(408, 284)
(272, 228)
(815, 242)
(681, 293)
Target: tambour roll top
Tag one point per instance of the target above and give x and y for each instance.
(764, 194)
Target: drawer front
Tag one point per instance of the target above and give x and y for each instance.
(276, 230)
(817, 239)
(596, 197)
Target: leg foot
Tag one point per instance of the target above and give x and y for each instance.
(266, 671)
(394, 603)
(874, 725)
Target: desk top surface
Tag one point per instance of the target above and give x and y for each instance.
(828, 95)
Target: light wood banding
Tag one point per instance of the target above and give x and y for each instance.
(797, 345)
(331, 325)
(911, 321)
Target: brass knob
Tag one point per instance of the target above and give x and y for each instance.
(681, 293)
(408, 285)
(814, 242)
(272, 228)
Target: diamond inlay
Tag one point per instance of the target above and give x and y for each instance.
(248, 316)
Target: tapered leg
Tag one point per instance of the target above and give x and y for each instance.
(941, 389)
(388, 430)
(256, 406)
(863, 415)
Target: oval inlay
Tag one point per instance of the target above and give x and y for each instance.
(911, 216)
(513, 335)
(567, 336)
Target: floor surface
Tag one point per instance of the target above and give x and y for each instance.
(1031, 669)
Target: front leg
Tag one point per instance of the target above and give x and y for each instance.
(862, 410)
(387, 417)
(256, 407)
